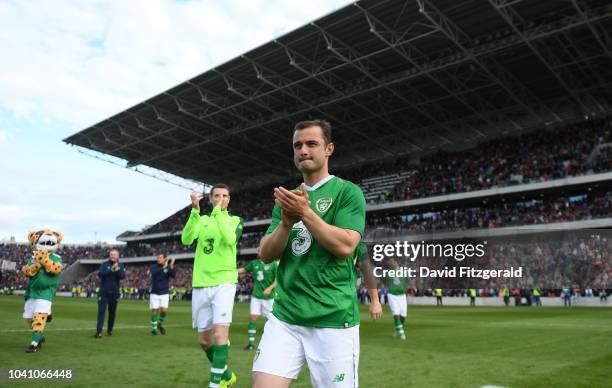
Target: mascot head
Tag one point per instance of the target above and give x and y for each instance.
(46, 240)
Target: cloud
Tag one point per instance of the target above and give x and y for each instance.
(69, 64)
(13, 214)
(84, 61)
(4, 136)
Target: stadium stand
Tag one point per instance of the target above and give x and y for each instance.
(480, 117)
(530, 212)
(69, 253)
(550, 263)
(535, 157)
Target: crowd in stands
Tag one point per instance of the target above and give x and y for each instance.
(524, 212)
(533, 157)
(15, 252)
(602, 162)
(549, 261)
(588, 206)
(19, 252)
(531, 212)
(580, 260)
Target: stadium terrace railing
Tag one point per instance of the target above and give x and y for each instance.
(384, 235)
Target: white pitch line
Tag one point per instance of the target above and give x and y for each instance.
(87, 328)
(491, 386)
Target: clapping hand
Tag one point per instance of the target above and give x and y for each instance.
(195, 199)
(294, 205)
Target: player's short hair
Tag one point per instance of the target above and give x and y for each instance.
(325, 126)
(220, 186)
(163, 253)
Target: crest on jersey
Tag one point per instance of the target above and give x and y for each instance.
(324, 203)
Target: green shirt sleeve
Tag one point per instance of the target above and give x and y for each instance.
(362, 252)
(192, 228)
(275, 263)
(276, 218)
(249, 267)
(239, 229)
(228, 227)
(351, 214)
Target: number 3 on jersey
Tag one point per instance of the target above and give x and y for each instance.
(209, 245)
(302, 241)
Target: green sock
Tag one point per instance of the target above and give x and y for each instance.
(36, 337)
(209, 353)
(153, 322)
(402, 319)
(399, 328)
(162, 317)
(219, 364)
(252, 331)
(228, 373)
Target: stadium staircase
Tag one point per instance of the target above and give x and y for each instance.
(376, 188)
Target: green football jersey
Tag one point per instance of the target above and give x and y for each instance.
(215, 256)
(314, 288)
(263, 276)
(396, 285)
(362, 252)
(43, 285)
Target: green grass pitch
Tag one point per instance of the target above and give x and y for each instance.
(446, 347)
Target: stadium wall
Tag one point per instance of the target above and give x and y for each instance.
(74, 272)
(460, 301)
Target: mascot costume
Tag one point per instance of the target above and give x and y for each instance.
(43, 269)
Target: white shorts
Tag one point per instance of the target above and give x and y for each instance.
(332, 354)
(36, 306)
(261, 306)
(398, 304)
(158, 301)
(212, 306)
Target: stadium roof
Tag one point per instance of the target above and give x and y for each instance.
(394, 77)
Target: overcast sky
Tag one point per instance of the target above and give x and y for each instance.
(68, 64)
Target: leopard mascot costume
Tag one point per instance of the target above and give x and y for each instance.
(43, 269)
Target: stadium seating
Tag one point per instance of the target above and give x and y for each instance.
(544, 155)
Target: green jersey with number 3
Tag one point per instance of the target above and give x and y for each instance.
(314, 288)
(263, 276)
(215, 256)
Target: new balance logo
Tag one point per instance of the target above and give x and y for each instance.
(338, 378)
